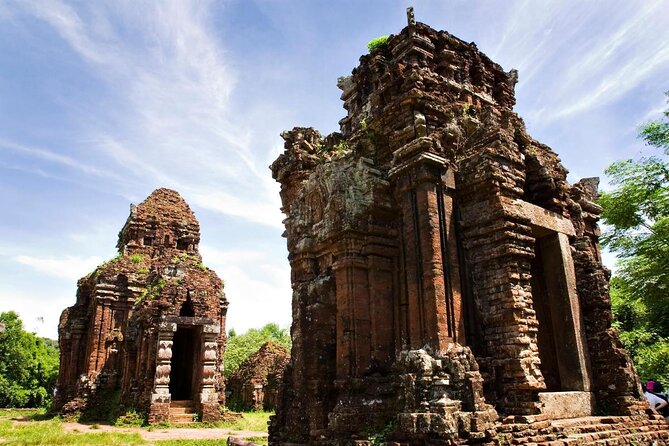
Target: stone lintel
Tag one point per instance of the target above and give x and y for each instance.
(211, 328)
(560, 405)
(538, 216)
(185, 320)
(167, 326)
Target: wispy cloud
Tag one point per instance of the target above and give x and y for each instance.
(254, 284)
(173, 122)
(68, 268)
(656, 112)
(267, 213)
(605, 74)
(587, 57)
(48, 155)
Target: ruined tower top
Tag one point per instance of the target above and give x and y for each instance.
(427, 66)
(162, 221)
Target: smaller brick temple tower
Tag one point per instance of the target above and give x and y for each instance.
(148, 326)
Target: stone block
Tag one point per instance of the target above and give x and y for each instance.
(558, 405)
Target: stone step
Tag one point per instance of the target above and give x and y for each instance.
(587, 431)
(182, 403)
(184, 418)
(181, 410)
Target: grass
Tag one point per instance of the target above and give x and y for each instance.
(49, 432)
(257, 440)
(218, 442)
(250, 421)
(42, 429)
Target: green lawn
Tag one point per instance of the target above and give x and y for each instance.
(44, 430)
(251, 421)
(49, 432)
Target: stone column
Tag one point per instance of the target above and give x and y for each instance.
(382, 305)
(431, 290)
(161, 398)
(353, 318)
(209, 406)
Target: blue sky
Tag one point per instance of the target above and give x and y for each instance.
(103, 102)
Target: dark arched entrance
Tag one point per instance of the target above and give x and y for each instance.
(183, 363)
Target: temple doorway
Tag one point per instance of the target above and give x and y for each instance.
(182, 375)
(559, 341)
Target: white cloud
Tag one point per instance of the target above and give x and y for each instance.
(574, 57)
(68, 268)
(605, 60)
(255, 301)
(58, 158)
(262, 213)
(258, 291)
(173, 121)
(39, 313)
(656, 112)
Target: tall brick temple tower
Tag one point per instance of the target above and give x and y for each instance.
(447, 280)
(149, 325)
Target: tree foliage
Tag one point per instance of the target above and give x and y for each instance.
(28, 365)
(241, 346)
(637, 215)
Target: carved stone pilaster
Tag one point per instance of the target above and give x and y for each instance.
(161, 387)
(209, 397)
(208, 392)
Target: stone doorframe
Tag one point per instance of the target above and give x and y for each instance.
(552, 232)
(208, 397)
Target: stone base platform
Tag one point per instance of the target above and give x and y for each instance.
(561, 405)
(608, 431)
(639, 430)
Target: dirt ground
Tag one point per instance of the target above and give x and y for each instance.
(166, 433)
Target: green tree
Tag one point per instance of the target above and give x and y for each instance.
(637, 215)
(28, 365)
(241, 346)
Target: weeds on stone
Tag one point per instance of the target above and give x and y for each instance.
(151, 291)
(376, 43)
(137, 258)
(131, 418)
(502, 440)
(101, 407)
(379, 438)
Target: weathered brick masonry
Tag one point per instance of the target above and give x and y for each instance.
(255, 384)
(149, 324)
(447, 280)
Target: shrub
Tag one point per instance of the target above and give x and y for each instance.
(131, 418)
(376, 43)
